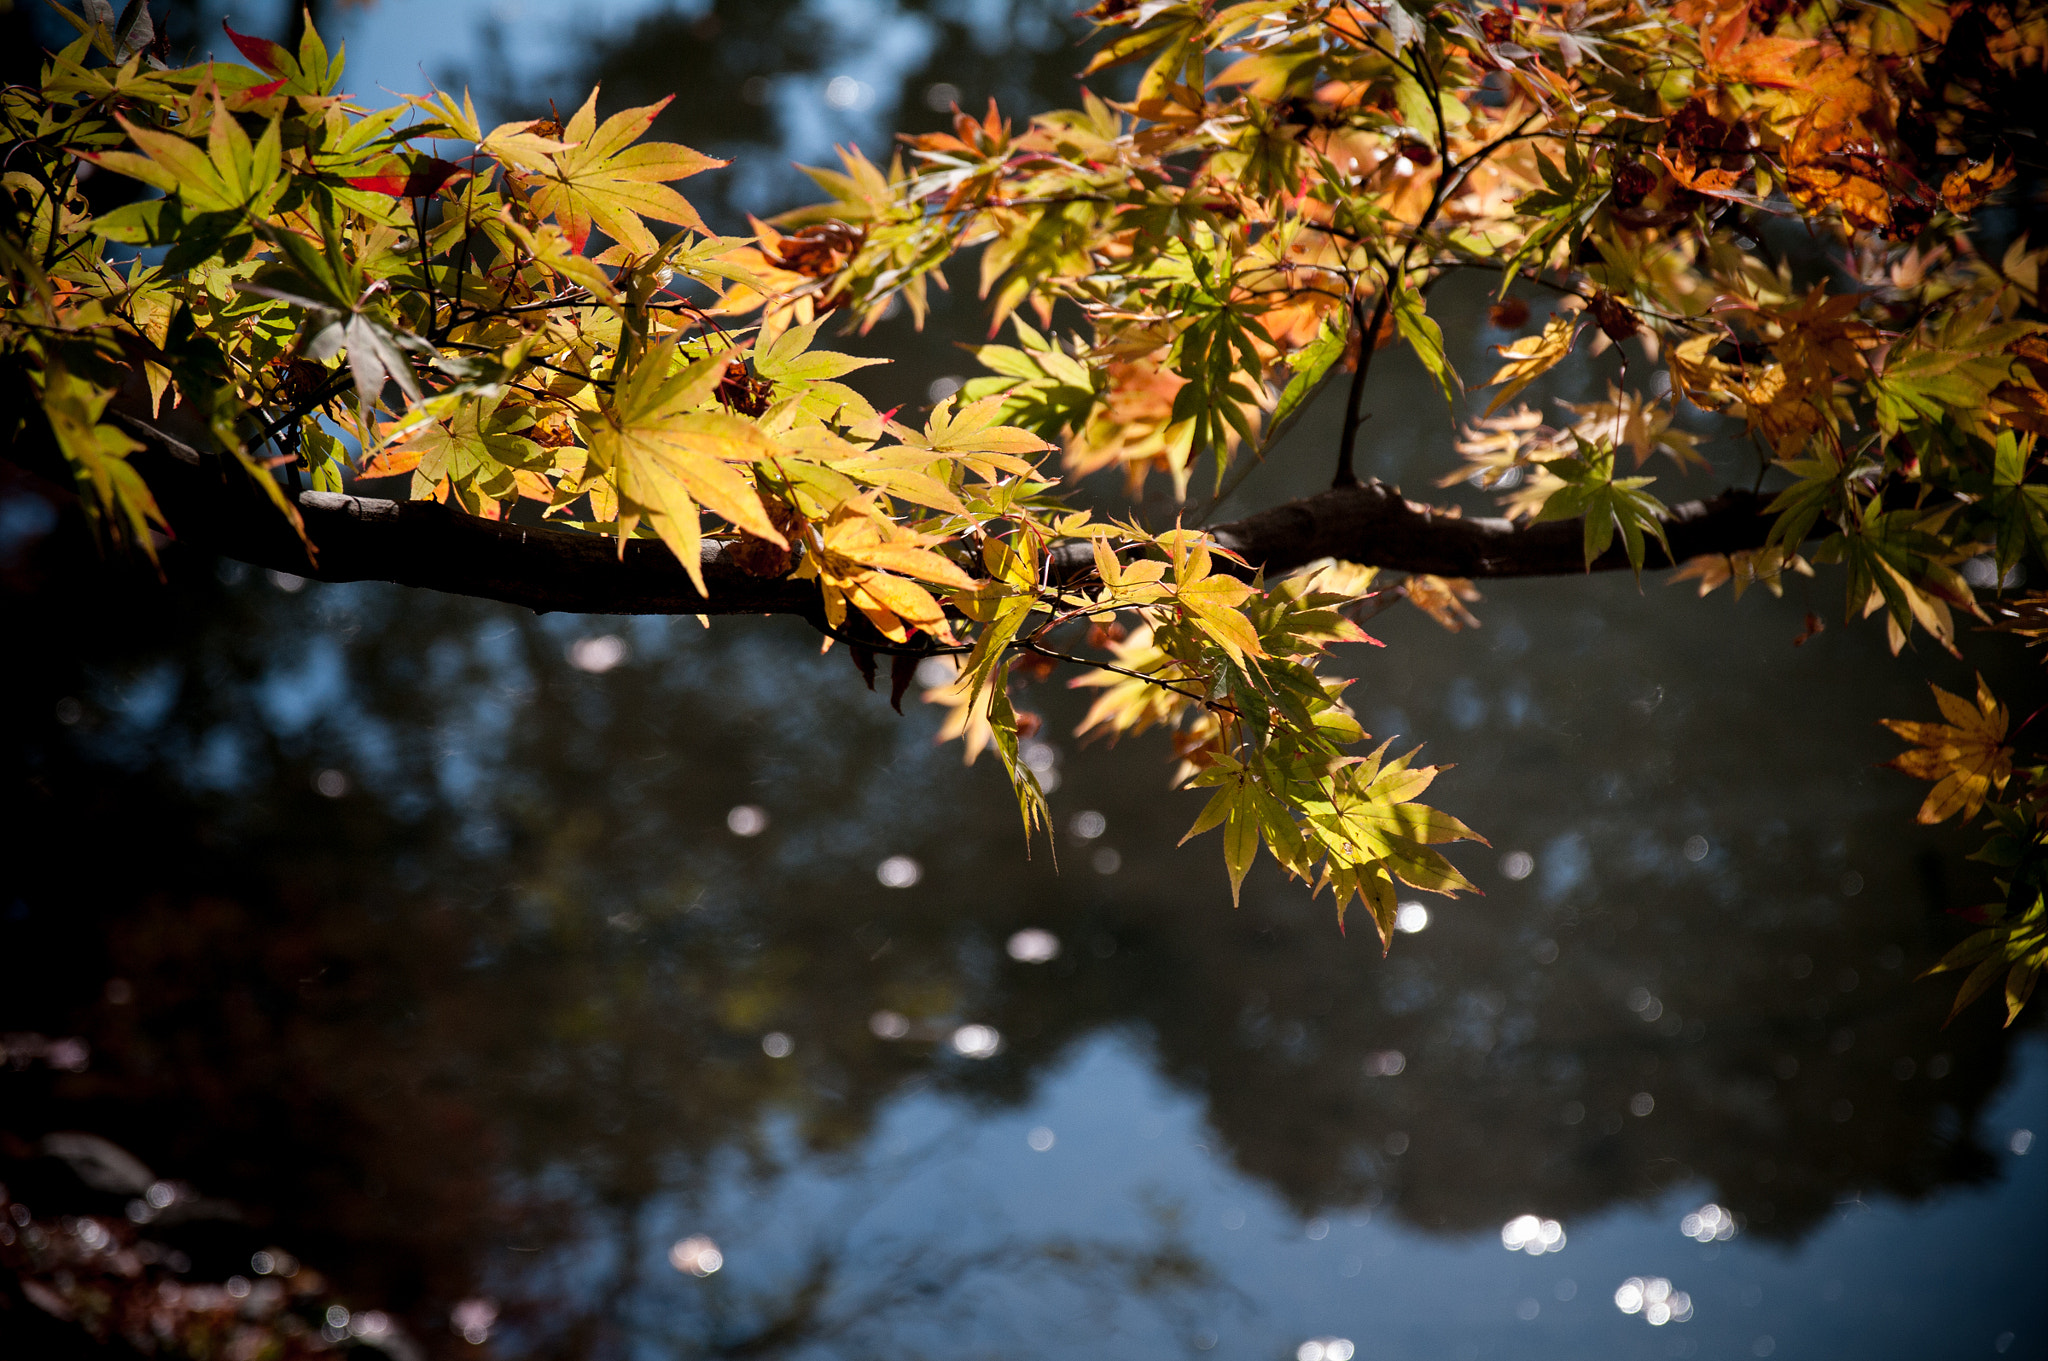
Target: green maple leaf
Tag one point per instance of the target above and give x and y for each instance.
(1607, 502)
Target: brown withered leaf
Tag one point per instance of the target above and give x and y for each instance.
(1033, 667)
(1509, 314)
(1633, 182)
(743, 391)
(1614, 316)
(1966, 757)
(1964, 190)
(902, 671)
(1443, 599)
(819, 250)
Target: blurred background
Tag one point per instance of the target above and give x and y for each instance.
(393, 973)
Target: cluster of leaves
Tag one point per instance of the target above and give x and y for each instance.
(1970, 759)
(1234, 239)
(307, 290)
(1289, 182)
(316, 290)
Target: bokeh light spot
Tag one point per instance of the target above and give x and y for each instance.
(1033, 946)
(899, 871)
(696, 1256)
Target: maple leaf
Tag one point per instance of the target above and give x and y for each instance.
(1143, 692)
(600, 178)
(407, 176)
(1964, 189)
(231, 175)
(1238, 807)
(1443, 599)
(478, 451)
(1498, 449)
(1590, 489)
(789, 362)
(667, 458)
(971, 435)
(1966, 757)
(1210, 599)
(1371, 832)
(1532, 356)
(966, 714)
(1712, 181)
(2017, 509)
(861, 559)
(1745, 568)
(1641, 424)
(1763, 60)
(98, 454)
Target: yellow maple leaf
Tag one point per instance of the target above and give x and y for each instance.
(1764, 567)
(1532, 356)
(860, 559)
(1967, 757)
(1209, 599)
(666, 459)
(600, 178)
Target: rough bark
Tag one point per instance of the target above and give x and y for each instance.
(1374, 525)
(214, 507)
(429, 545)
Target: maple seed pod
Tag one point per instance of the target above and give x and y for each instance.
(1633, 182)
(1614, 316)
(742, 392)
(1033, 667)
(819, 250)
(759, 557)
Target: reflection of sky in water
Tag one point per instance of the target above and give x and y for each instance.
(1123, 1154)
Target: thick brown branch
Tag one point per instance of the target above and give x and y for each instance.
(1373, 525)
(423, 543)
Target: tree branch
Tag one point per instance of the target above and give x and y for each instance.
(424, 543)
(1372, 524)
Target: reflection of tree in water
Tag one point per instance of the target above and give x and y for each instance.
(508, 992)
(855, 1290)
